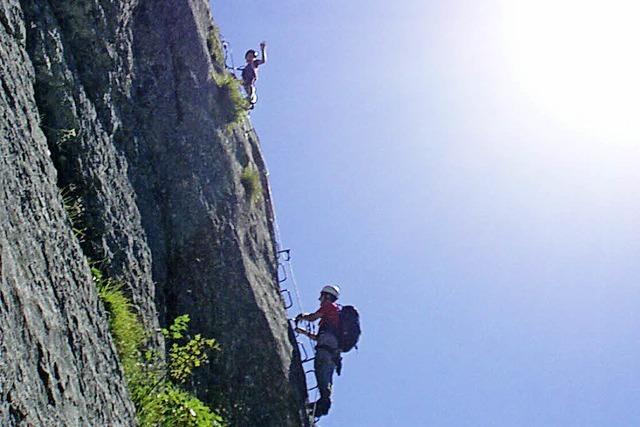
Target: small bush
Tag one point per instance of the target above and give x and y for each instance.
(157, 400)
(250, 179)
(175, 407)
(185, 356)
(233, 105)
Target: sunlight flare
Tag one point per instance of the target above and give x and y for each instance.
(579, 61)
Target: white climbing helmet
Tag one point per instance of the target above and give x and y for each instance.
(331, 290)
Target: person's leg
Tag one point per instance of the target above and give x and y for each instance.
(250, 90)
(324, 366)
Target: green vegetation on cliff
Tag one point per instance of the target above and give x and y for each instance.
(214, 45)
(232, 106)
(74, 209)
(152, 382)
(250, 179)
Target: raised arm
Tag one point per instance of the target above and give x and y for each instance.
(263, 53)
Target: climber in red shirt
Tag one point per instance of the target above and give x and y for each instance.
(327, 351)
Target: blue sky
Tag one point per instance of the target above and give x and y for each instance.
(468, 173)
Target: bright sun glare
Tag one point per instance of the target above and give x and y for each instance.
(580, 61)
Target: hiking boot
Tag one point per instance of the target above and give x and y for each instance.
(321, 407)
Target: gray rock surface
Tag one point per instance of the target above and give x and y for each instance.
(215, 245)
(79, 116)
(113, 102)
(58, 365)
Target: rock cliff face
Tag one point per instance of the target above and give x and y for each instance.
(111, 104)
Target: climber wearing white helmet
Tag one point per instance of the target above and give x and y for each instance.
(327, 351)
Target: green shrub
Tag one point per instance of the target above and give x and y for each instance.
(183, 359)
(157, 400)
(250, 179)
(232, 105)
(175, 407)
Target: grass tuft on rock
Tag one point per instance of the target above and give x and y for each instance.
(232, 105)
(127, 331)
(250, 179)
(72, 204)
